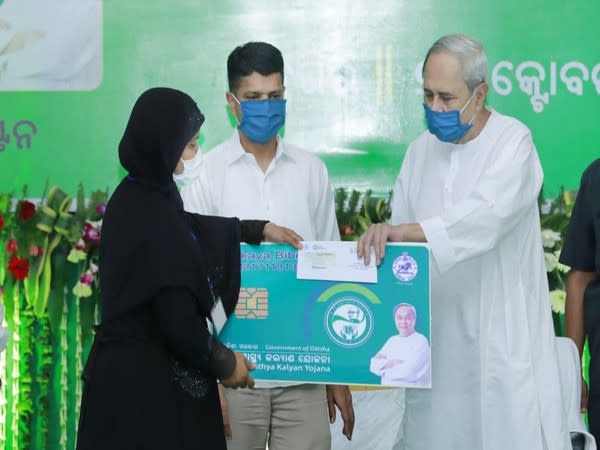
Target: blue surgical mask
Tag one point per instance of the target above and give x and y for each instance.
(261, 119)
(445, 125)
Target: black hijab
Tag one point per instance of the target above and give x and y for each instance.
(147, 243)
(162, 122)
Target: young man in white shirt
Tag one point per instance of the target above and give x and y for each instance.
(254, 174)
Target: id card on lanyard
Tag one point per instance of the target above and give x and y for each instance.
(217, 318)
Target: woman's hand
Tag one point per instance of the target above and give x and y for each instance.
(281, 235)
(240, 378)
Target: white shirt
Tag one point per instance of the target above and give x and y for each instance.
(413, 352)
(294, 191)
(495, 374)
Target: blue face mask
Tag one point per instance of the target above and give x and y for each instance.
(445, 125)
(261, 119)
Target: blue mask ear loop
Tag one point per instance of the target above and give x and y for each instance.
(467, 104)
(239, 103)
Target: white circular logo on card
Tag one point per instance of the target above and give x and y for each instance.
(405, 268)
(349, 322)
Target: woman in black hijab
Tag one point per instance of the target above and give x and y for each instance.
(151, 377)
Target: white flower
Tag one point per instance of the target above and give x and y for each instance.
(551, 261)
(557, 299)
(559, 266)
(76, 255)
(550, 237)
(82, 290)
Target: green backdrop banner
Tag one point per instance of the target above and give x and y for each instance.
(70, 71)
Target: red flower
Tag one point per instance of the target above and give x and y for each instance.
(12, 246)
(35, 250)
(26, 210)
(91, 233)
(18, 267)
(1, 222)
(347, 230)
(87, 278)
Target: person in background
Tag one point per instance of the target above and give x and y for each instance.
(256, 174)
(581, 253)
(468, 186)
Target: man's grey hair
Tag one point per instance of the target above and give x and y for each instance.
(469, 52)
(405, 305)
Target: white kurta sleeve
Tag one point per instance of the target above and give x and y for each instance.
(507, 191)
(401, 212)
(324, 218)
(378, 363)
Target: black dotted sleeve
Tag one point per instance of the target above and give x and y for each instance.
(186, 333)
(252, 231)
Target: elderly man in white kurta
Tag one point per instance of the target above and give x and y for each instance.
(468, 186)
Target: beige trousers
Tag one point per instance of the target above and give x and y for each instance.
(288, 418)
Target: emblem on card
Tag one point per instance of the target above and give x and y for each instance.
(349, 322)
(405, 268)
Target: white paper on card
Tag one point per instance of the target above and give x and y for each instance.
(334, 261)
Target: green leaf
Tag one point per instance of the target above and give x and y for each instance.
(46, 278)
(5, 201)
(87, 311)
(56, 298)
(353, 201)
(31, 286)
(80, 211)
(9, 301)
(363, 223)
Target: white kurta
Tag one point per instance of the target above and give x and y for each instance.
(495, 374)
(413, 370)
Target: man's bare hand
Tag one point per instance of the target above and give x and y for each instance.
(376, 236)
(341, 397)
(282, 235)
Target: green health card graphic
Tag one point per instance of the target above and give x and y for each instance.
(334, 332)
